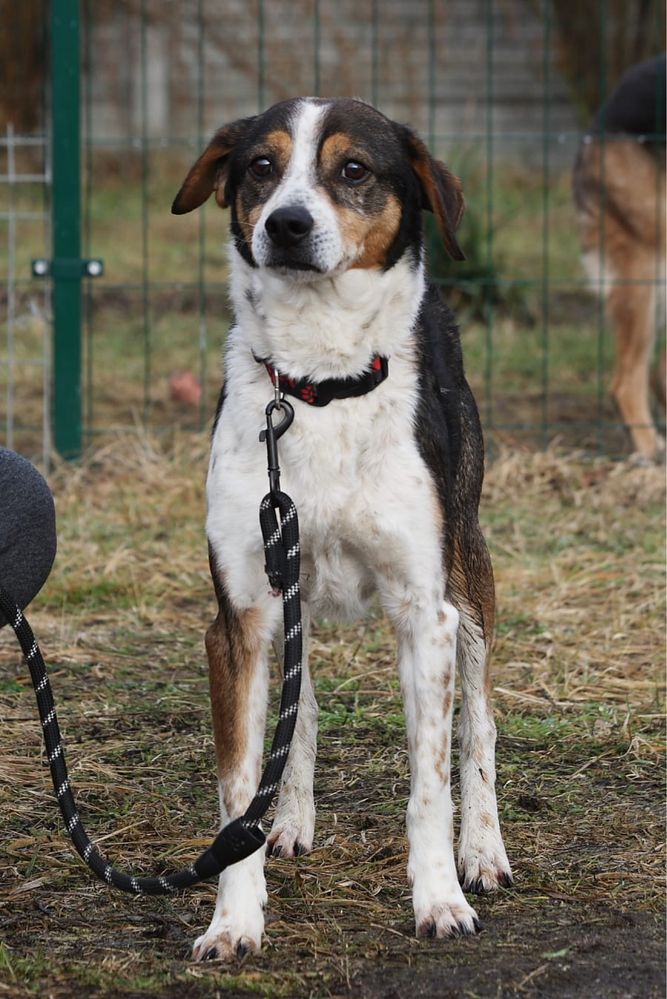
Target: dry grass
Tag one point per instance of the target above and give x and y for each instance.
(579, 687)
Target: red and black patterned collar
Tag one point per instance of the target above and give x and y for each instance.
(322, 393)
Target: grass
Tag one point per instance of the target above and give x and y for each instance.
(579, 691)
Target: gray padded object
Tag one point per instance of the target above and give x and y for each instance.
(27, 529)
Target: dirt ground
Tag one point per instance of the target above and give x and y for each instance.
(578, 548)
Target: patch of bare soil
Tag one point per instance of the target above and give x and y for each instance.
(602, 953)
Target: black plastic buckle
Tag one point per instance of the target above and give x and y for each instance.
(233, 843)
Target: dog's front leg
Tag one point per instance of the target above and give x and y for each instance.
(237, 644)
(427, 664)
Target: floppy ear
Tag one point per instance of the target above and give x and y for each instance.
(211, 171)
(442, 193)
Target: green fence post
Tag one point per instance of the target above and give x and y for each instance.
(67, 272)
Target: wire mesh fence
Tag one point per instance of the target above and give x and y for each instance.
(497, 90)
(25, 358)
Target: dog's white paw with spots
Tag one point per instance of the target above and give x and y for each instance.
(229, 937)
(293, 827)
(482, 862)
(238, 921)
(452, 918)
(441, 908)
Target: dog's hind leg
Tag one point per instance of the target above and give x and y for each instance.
(632, 310)
(482, 860)
(620, 191)
(237, 645)
(294, 822)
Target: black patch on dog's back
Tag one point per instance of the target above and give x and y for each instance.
(637, 105)
(448, 430)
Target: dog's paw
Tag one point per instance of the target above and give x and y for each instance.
(287, 841)
(226, 947)
(441, 908)
(485, 879)
(483, 865)
(294, 823)
(229, 940)
(454, 919)
(653, 453)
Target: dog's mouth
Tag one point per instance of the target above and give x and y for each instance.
(286, 264)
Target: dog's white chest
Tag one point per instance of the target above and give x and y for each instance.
(338, 475)
(356, 475)
(365, 499)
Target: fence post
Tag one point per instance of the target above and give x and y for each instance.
(66, 256)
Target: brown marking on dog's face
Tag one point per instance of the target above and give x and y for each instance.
(335, 150)
(375, 238)
(253, 192)
(233, 647)
(447, 702)
(278, 147)
(369, 214)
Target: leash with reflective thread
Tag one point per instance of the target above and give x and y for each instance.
(241, 837)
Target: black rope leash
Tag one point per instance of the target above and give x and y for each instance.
(241, 837)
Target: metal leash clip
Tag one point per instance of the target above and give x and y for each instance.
(277, 394)
(272, 435)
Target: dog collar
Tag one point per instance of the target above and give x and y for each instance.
(322, 393)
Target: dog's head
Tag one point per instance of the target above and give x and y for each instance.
(321, 186)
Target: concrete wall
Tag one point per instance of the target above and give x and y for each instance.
(214, 49)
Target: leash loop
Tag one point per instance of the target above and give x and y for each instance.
(243, 836)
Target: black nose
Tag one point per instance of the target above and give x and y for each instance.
(288, 226)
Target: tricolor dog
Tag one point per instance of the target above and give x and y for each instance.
(384, 461)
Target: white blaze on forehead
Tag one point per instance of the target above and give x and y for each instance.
(299, 187)
(305, 128)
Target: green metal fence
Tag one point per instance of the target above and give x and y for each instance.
(498, 91)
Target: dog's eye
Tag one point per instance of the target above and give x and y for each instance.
(354, 172)
(261, 168)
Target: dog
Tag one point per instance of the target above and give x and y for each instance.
(619, 185)
(327, 282)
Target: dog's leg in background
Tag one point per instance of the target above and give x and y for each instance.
(632, 310)
(482, 860)
(294, 822)
(237, 645)
(426, 633)
(620, 196)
